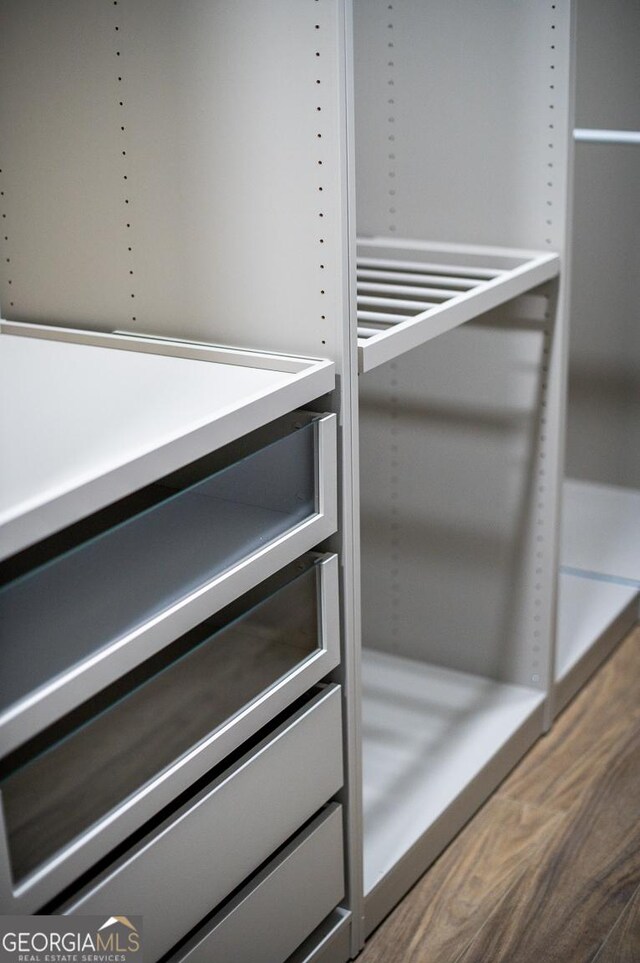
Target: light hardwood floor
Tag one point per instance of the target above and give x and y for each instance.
(548, 871)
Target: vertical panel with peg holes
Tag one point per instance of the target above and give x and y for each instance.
(174, 169)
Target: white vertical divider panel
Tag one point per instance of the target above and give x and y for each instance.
(350, 668)
(463, 123)
(544, 560)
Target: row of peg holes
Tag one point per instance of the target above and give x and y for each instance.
(125, 176)
(320, 163)
(6, 238)
(551, 124)
(541, 488)
(394, 532)
(391, 136)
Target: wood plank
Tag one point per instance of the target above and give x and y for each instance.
(560, 767)
(449, 904)
(623, 942)
(565, 907)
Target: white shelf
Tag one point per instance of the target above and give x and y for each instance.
(601, 531)
(593, 615)
(81, 426)
(428, 733)
(409, 292)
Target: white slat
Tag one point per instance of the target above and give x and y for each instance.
(392, 290)
(421, 267)
(442, 280)
(395, 304)
(382, 317)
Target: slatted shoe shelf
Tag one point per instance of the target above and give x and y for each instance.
(409, 292)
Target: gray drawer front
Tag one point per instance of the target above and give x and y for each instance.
(174, 877)
(269, 919)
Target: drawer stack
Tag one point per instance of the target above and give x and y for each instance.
(168, 744)
(208, 847)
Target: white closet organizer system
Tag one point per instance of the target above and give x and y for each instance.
(600, 557)
(461, 135)
(176, 502)
(292, 281)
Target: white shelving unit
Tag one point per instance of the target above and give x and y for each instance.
(174, 280)
(357, 208)
(463, 148)
(600, 554)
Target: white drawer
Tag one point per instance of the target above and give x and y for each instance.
(279, 908)
(184, 868)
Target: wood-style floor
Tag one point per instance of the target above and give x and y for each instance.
(548, 871)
